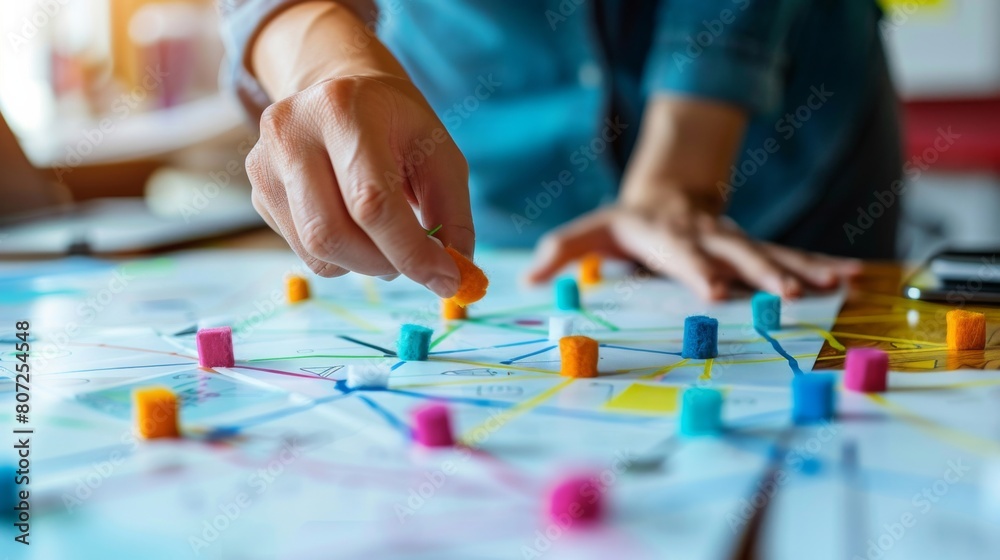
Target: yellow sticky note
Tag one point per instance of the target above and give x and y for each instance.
(639, 398)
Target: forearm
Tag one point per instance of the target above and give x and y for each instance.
(315, 41)
(685, 145)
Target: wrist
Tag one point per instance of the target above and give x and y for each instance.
(313, 42)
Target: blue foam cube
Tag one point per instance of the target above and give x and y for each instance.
(567, 294)
(414, 343)
(701, 412)
(813, 397)
(766, 311)
(701, 338)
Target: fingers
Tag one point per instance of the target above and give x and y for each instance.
(441, 188)
(818, 270)
(566, 244)
(677, 254)
(322, 225)
(373, 194)
(268, 198)
(752, 264)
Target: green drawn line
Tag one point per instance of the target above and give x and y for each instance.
(446, 334)
(479, 321)
(597, 319)
(431, 232)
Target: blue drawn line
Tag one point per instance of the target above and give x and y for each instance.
(226, 431)
(385, 351)
(389, 417)
(640, 349)
(396, 365)
(508, 345)
(792, 362)
(528, 355)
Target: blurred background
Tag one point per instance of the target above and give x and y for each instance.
(123, 97)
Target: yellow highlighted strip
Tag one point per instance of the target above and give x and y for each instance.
(506, 416)
(641, 398)
(707, 373)
(971, 443)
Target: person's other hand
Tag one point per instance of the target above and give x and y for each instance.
(680, 237)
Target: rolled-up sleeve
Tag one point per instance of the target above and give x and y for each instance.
(242, 20)
(733, 51)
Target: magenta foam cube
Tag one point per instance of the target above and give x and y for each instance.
(575, 499)
(866, 370)
(432, 426)
(215, 347)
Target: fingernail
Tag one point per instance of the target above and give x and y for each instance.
(436, 240)
(388, 277)
(443, 286)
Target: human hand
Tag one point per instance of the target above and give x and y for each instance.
(342, 166)
(694, 243)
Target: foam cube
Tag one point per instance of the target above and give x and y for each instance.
(966, 330)
(701, 338)
(155, 412)
(367, 376)
(561, 326)
(701, 412)
(578, 356)
(567, 294)
(866, 370)
(414, 343)
(296, 288)
(575, 499)
(451, 310)
(215, 347)
(432, 426)
(590, 269)
(813, 397)
(472, 280)
(766, 311)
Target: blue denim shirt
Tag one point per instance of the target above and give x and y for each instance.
(545, 97)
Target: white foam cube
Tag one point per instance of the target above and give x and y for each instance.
(367, 376)
(560, 326)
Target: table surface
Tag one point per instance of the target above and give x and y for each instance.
(875, 315)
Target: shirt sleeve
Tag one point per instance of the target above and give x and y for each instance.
(242, 20)
(733, 51)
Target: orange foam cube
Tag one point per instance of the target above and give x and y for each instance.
(473, 281)
(451, 310)
(966, 330)
(579, 356)
(156, 412)
(590, 269)
(296, 288)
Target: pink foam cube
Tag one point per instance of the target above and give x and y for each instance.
(215, 347)
(432, 426)
(575, 499)
(866, 370)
